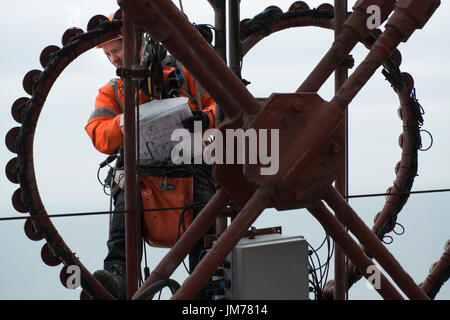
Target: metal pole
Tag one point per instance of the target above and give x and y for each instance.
(219, 23)
(220, 46)
(131, 226)
(373, 245)
(341, 183)
(234, 37)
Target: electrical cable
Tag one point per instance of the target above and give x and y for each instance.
(74, 214)
(180, 208)
(150, 291)
(395, 193)
(319, 279)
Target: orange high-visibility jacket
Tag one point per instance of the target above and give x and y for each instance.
(103, 126)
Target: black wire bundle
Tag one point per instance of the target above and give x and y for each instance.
(319, 275)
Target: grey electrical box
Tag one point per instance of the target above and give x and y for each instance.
(268, 267)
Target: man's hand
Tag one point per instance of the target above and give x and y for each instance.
(197, 116)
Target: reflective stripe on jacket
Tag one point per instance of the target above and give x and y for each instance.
(103, 126)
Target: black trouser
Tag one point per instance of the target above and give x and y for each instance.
(204, 189)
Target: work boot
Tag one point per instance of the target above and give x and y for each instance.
(113, 281)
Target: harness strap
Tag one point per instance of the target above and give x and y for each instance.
(182, 171)
(113, 83)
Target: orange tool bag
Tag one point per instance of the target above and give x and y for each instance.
(164, 190)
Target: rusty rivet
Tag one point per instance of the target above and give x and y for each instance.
(335, 148)
(297, 108)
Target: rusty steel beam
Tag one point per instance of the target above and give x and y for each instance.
(341, 183)
(439, 274)
(409, 15)
(235, 52)
(373, 245)
(180, 250)
(129, 113)
(220, 46)
(334, 228)
(226, 242)
(355, 30)
(165, 23)
(220, 43)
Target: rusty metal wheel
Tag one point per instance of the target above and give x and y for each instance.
(20, 170)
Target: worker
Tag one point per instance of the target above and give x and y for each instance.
(190, 184)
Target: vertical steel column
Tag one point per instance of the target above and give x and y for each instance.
(131, 230)
(220, 45)
(341, 183)
(219, 23)
(234, 37)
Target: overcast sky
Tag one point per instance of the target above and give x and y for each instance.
(66, 162)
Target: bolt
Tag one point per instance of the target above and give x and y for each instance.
(335, 148)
